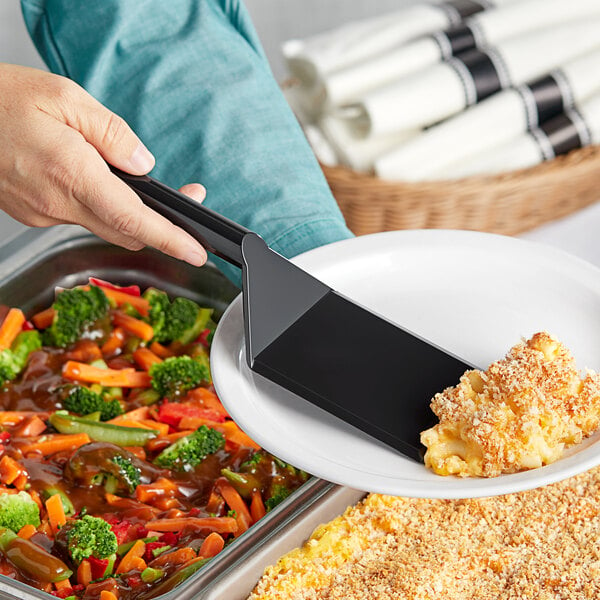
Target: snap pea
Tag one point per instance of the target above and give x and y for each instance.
(102, 432)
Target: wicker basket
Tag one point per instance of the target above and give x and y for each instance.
(508, 203)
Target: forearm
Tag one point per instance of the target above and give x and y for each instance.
(191, 80)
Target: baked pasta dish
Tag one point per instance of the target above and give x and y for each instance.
(521, 413)
(541, 544)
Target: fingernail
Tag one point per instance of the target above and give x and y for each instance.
(195, 257)
(141, 160)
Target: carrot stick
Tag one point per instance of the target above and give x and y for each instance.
(257, 506)
(78, 371)
(137, 451)
(115, 342)
(212, 545)
(139, 564)
(127, 378)
(31, 427)
(11, 327)
(84, 351)
(133, 326)
(107, 595)
(50, 444)
(56, 512)
(218, 524)
(140, 304)
(234, 434)
(207, 399)
(127, 562)
(215, 502)
(177, 557)
(10, 469)
(84, 572)
(44, 318)
(36, 498)
(63, 584)
(22, 481)
(161, 488)
(145, 358)
(169, 504)
(10, 418)
(137, 414)
(236, 503)
(161, 350)
(27, 531)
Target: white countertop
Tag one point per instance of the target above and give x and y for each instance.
(578, 234)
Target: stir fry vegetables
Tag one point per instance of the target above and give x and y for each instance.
(121, 473)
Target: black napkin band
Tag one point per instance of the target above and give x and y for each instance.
(544, 98)
(481, 73)
(561, 134)
(457, 10)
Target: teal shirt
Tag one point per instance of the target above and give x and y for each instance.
(191, 79)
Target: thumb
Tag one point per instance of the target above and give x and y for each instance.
(109, 134)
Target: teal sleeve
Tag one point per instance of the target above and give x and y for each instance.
(191, 79)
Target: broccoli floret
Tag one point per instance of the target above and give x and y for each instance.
(18, 510)
(159, 305)
(14, 359)
(75, 310)
(189, 451)
(176, 375)
(84, 401)
(278, 494)
(128, 474)
(181, 320)
(90, 536)
(8, 366)
(180, 317)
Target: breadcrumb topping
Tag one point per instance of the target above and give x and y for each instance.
(521, 413)
(542, 544)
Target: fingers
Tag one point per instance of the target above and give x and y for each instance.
(123, 219)
(59, 140)
(194, 190)
(107, 132)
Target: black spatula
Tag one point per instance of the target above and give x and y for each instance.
(309, 339)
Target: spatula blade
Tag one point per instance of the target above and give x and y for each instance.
(340, 356)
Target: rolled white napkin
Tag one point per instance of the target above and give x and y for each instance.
(575, 128)
(311, 58)
(358, 154)
(493, 122)
(422, 99)
(483, 29)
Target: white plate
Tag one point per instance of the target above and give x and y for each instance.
(474, 294)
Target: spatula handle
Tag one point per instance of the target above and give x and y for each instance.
(216, 233)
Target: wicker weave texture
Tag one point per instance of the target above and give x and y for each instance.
(509, 203)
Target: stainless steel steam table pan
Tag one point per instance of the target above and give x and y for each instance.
(34, 263)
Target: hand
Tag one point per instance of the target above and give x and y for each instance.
(56, 140)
